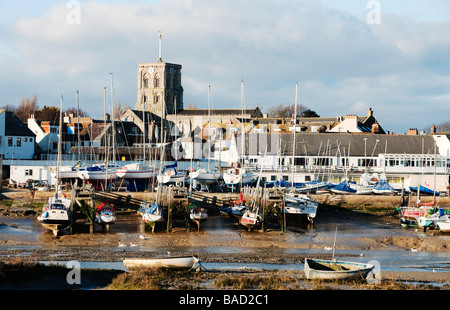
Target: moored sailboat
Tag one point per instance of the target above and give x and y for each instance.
(57, 214)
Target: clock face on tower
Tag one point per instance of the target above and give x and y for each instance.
(151, 69)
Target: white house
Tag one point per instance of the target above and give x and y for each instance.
(16, 139)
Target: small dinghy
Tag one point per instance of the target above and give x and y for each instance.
(179, 263)
(333, 269)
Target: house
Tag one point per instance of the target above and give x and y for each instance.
(46, 134)
(358, 124)
(17, 141)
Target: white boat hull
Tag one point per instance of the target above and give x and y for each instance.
(96, 175)
(444, 226)
(135, 171)
(56, 219)
(165, 179)
(250, 220)
(235, 179)
(300, 205)
(331, 270)
(205, 177)
(169, 262)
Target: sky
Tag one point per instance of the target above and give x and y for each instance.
(348, 56)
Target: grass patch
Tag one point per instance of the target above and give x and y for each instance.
(272, 282)
(157, 279)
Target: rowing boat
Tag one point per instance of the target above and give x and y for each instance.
(184, 262)
(332, 269)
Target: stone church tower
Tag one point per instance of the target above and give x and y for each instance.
(159, 88)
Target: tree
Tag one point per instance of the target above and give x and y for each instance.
(280, 110)
(48, 114)
(74, 111)
(119, 110)
(191, 106)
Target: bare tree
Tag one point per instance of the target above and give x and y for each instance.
(191, 106)
(119, 110)
(74, 111)
(26, 107)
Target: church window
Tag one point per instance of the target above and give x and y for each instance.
(157, 81)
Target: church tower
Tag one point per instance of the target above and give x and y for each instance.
(159, 87)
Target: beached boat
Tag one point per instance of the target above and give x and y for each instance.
(342, 189)
(423, 190)
(170, 175)
(299, 204)
(313, 187)
(198, 214)
(251, 219)
(105, 214)
(333, 269)
(138, 176)
(444, 223)
(383, 189)
(56, 215)
(153, 213)
(237, 176)
(205, 177)
(184, 262)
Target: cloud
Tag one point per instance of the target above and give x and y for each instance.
(341, 62)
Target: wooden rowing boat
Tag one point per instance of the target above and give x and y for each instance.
(332, 269)
(185, 262)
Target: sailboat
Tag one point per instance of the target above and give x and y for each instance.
(57, 214)
(251, 218)
(420, 215)
(298, 204)
(138, 175)
(237, 174)
(203, 176)
(101, 175)
(171, 175)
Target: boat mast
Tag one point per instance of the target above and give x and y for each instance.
(113, 121)
(242, 121)
(294, 132)
(58, 161)
(209, 127)
(104, 119)
(143, 113)
(78, 125)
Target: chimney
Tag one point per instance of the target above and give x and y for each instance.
(433, 129)
(412, 131)
(370, 112)
(375, 127)
(282, 122)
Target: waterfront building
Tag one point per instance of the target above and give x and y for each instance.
(17, 141)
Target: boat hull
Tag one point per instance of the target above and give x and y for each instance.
(334, 270)
(178, 263)
(443, 226)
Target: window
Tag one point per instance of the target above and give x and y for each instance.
(156, 81)
(156, 99)
(10, 141)
(18, 142)
(28, 171)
